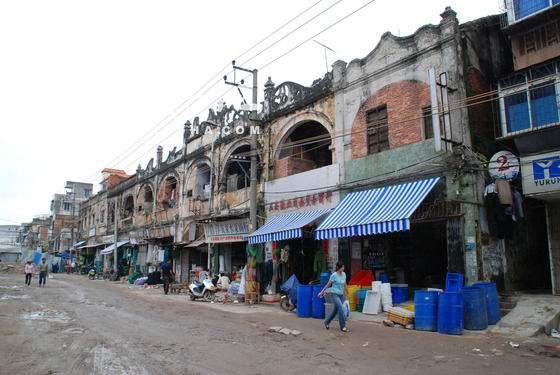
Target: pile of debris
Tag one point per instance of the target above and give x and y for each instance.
(12, 268)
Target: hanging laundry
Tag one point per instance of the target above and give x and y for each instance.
(161, 255)
(517, 203)
(496, 213)
(503, 188)
(489, 189)
(320, 261)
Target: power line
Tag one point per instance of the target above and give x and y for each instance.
(404, 117)
(291, 32)
(124, 153)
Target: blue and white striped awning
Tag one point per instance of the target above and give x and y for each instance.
(284, 227)
(382, 210)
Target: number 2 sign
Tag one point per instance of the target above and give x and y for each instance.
(503, 164)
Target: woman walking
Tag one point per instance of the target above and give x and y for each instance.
(338, 294)
(29, 272)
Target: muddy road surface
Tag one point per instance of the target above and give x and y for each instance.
(78, 326)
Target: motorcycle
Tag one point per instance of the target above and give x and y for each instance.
(205, 290)
(92, 273)
(84, 269)
(288, 301)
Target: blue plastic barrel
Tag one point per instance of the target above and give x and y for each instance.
(317, 304)
(304, 301)
(450, 313)
(492, 303)
(425, 310)
(324, 278)
(383, 277)
(475, 313)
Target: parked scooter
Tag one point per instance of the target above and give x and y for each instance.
(205, 290)
(288, 301)
(92, 273)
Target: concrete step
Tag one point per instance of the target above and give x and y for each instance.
(504, 312)
(507, 303)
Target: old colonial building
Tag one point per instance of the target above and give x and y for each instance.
(162, 210)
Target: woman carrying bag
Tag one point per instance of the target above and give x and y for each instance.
(339, 293)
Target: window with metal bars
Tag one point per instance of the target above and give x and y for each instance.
(529, 99)
(378, 130)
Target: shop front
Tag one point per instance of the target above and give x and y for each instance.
(293, 250)
(228, 244)
(541, 181)
(295, 205)
(378, 232)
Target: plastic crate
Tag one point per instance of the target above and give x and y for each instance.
(400, 293)
(361, 296)
(400, 316)
(363, 278)
(454, 282)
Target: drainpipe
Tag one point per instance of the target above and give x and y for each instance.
(211, 198)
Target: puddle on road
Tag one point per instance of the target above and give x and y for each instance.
(15, 287)
(48, 315)
(107, 362)
(6, 297)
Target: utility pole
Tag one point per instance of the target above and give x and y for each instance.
(116, 234)
(253, 197)
(73, 218)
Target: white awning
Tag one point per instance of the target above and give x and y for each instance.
(73, 247)
(196, 243)
(109, 249)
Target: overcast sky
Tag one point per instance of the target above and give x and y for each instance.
(86, 85)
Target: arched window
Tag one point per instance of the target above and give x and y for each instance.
(307, 147)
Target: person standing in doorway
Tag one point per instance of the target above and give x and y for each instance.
(43, 272)
(339, 293)
(167, 275)
(29, 272)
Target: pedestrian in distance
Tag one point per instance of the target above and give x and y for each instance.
(339, 293)
(29, 269)
(43, 272)
(167, 275)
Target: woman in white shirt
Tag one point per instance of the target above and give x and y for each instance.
(29, 272)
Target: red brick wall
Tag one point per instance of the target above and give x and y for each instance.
(292, 165)
(404, 101)
(480, 115)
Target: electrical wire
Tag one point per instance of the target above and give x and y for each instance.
(125, 153)
(473, 98)
(332, 25)
(405, 117)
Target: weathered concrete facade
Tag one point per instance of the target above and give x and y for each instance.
(394, 77)
(164, 205)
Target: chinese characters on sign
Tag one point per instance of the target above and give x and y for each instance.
(226, 231)
(308, 200)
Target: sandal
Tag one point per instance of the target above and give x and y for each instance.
(344, 329)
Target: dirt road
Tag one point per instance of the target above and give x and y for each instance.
(78, 326)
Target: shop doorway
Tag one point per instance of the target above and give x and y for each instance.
(417, 257)
(301, 258)
(528, 251)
